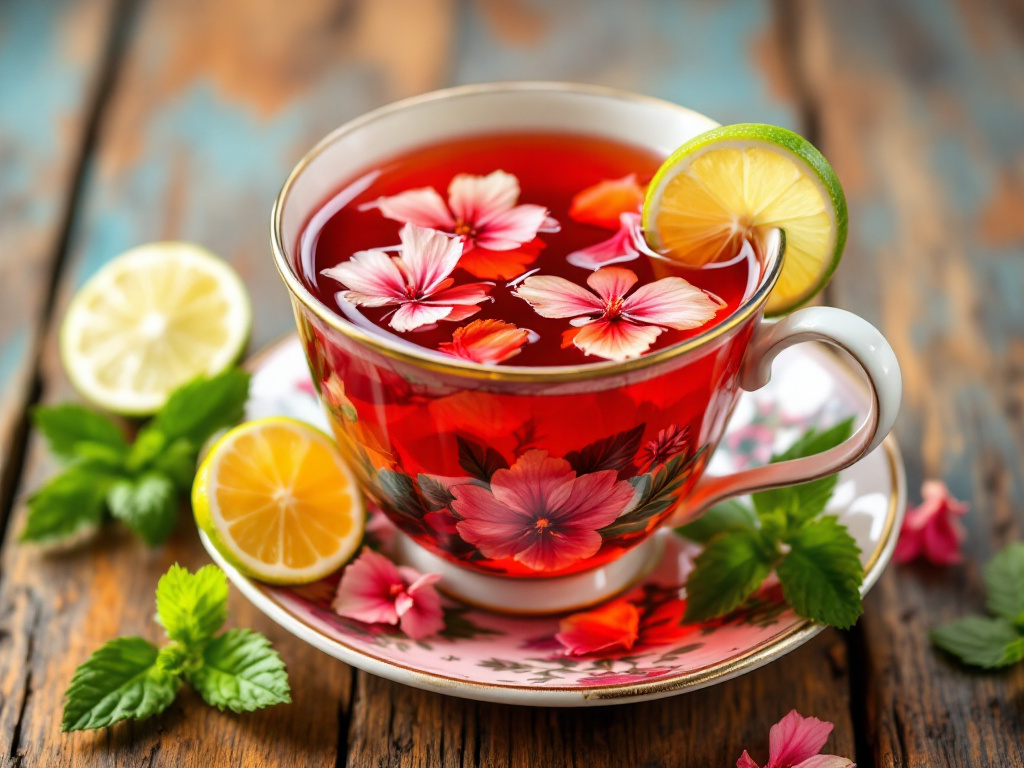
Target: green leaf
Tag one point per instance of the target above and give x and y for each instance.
(1004, 576)
(728, 514)
(981, 641)
(119, 681)
(614, 452)
(192, 607)
(68, 426)
(70, 503)
(178, 462)
(241, 672)
(479, 461)
(147, 504)
(198, 409)
(806, 501)
(821, 575)
(149, 444)
(731, 567)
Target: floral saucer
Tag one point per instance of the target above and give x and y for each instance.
(517, 660)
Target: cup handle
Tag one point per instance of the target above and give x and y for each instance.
(848, 332)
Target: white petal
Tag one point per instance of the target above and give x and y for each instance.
(414, 315)
(474, 199)
(672, 303)
(369, 275)
(428, 256)
(615, 339)
(422, 207)
(552, 296)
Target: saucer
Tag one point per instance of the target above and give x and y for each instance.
(517, 660)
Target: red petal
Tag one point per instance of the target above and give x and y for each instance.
(486, 341)
(500, 265)
(613, 625)
(603, 203)
(568, 337)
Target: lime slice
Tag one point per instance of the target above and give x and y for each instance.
(150, 320)
(740, 181)
(278, 502)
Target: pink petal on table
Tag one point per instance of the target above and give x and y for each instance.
(615, 339)
(670, 302)
(826, 761)
(612, 283)
(618, 248)
(795, 738)
(552, 296)
(422, 207)
(746, 761)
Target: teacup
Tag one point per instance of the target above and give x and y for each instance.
(539, 489)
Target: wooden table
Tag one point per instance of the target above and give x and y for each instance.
(123, 121)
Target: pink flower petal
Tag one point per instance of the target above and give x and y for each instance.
(487, 524)
(615, 339)
(422, 207)
(932, 529)
(612, 283)
(470, 293)
(552, 296)
(428, 257)
(413, 315)
(460, 312)
(671, 303)
(486, 341)
(603, 203)
(597, 499)
(509, 229)
(941, 541)
(535, 482)
(373, 279)
(550, 553)
(796, 738)
(364, 592)
(614, 625)
(618, 248)
(909, 546)
(746, 761)
(425, 617)
(477, 199)
(826, 761)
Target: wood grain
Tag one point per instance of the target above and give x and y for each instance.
(922, 113)
(52, 68)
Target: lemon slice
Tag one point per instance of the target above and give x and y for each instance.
(150, 320)
(278, 502)
(741, 181)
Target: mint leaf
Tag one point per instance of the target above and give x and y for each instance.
(148, 445)
(178, 462)
(191, 607)
(806, 501)
(980, 641)
(120, 680)
(821, 575)
(198, 409)
(67, 427)
(147, 504)
(731, 567)
(241, 672)
(1004, 577)
(70, 503)
(728, 514)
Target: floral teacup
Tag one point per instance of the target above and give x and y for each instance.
(538, 489)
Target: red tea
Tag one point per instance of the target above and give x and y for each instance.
(526, 477)
(555, 174)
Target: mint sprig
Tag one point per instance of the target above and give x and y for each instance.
(815, 558)
(139, 483)
(131, 678)
(992, 641)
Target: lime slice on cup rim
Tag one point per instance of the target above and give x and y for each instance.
(740, 181)
(150, 320)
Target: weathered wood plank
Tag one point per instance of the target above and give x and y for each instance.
(708, 727)
(922, 114)
(51, 70)
(214, 103)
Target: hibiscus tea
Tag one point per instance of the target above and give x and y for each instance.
(518, 250)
